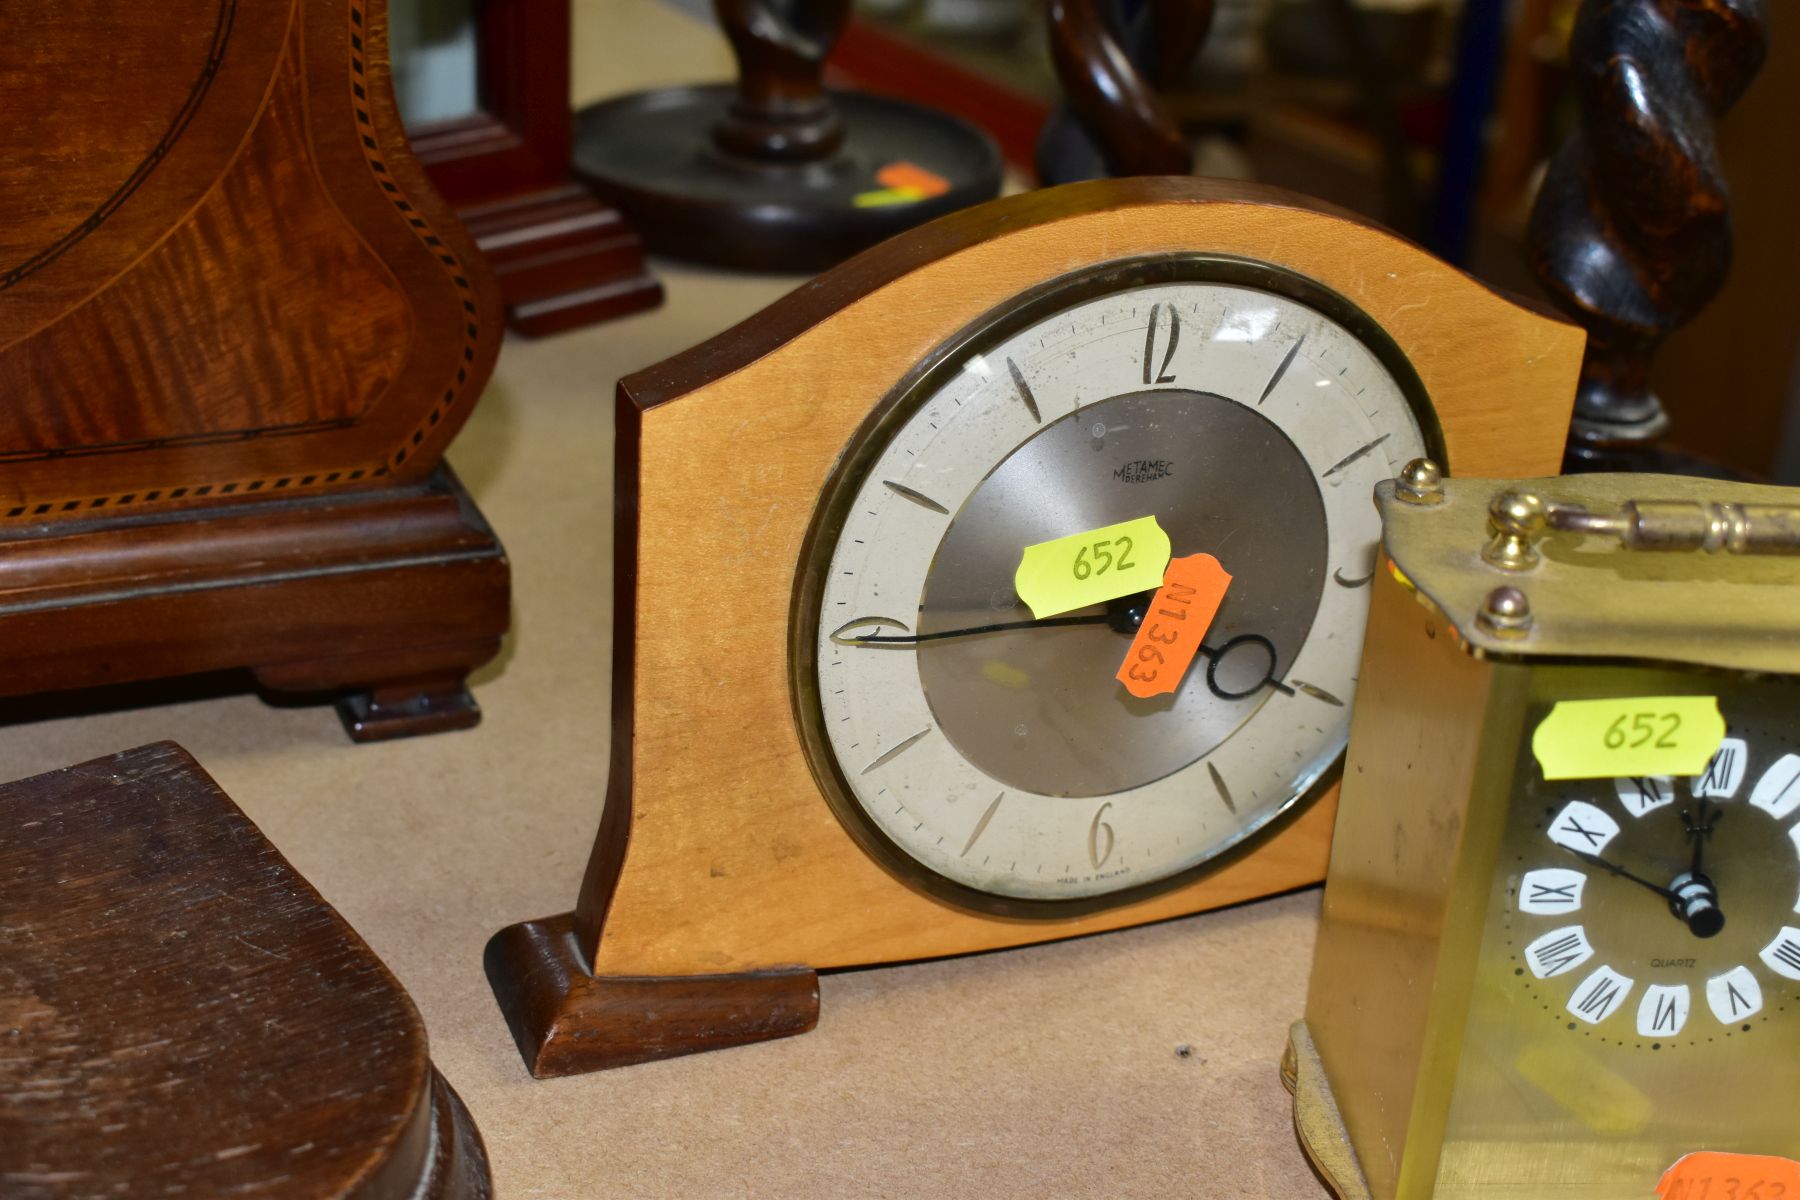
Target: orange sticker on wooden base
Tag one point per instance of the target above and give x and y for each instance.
(1714, 1175)
(910, 175)
(1176, 623)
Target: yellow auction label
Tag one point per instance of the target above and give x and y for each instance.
(1635, 735)
(1093, 567)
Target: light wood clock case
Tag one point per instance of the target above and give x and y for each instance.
(839, 736)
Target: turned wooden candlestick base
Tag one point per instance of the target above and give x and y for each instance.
(653, 155)
(774, 173)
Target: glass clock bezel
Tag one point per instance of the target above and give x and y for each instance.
(914, 391)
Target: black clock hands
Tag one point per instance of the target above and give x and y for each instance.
(913, 639)
(1691, 896)
(1123, 618)
(1698, 826)
(1696, 898)
(1614, 868)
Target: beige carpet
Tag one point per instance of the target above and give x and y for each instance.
(1050, 1071)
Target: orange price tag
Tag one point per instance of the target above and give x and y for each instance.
(1192, 590)
(903, 174)
(1713, 1175)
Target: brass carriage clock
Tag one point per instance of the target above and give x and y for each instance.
(1560, 952)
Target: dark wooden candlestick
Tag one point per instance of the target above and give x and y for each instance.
(776, 173)
(185, 1015)
(1631, 233)
(1114, 123)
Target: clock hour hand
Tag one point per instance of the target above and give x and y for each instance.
(1697, 898)
(1699, 828)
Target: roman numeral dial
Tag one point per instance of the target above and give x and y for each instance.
(1663, 913)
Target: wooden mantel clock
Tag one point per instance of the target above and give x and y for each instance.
(839, 734)
(237, 330)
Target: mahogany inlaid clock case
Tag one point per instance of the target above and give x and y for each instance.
(237, 330)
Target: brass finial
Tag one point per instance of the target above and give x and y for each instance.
(1516, 520)
(1421, 482)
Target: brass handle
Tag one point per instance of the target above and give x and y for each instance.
(1517, 519)
(1716, 528)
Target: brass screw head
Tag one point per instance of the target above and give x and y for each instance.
(1421, 482)
(1505, 613)
(1516, 519)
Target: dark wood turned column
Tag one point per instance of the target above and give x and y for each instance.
(1113, 122)
(1631, 232)
(781, 113)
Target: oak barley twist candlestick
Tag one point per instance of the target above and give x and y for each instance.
(1114, 122)
(1631, 232)
(775, 173)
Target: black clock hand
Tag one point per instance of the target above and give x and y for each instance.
(1696, 896)
(910, 639)
(1699, 828)
(1214, 654)
(1616, 869)
(1691, 900)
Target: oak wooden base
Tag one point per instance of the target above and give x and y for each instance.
(563, 259)
(567, 1022)
(384, 599)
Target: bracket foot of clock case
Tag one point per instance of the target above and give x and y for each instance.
(1317, 1122)
(567, 1021)
(562, 258)
(387, 598)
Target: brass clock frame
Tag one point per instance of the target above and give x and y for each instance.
(913, 393)
(1395, 1070)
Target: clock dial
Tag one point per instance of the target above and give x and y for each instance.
(994, 755)
(1660, 912)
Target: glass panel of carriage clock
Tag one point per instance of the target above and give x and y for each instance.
(1637, 991)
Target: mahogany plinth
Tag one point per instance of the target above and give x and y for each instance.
(388, 598)
(238, 329)
(563, 259)
(567, 1021)
(188, 1015)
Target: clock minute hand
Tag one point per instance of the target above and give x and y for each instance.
(912, 639)
(1616, 869)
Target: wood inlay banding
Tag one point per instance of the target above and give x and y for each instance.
(177, 126)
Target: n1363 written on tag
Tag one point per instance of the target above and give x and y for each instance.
(1093, 567)
(1712, 1175)
(1176, 623)
(1635, 735)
